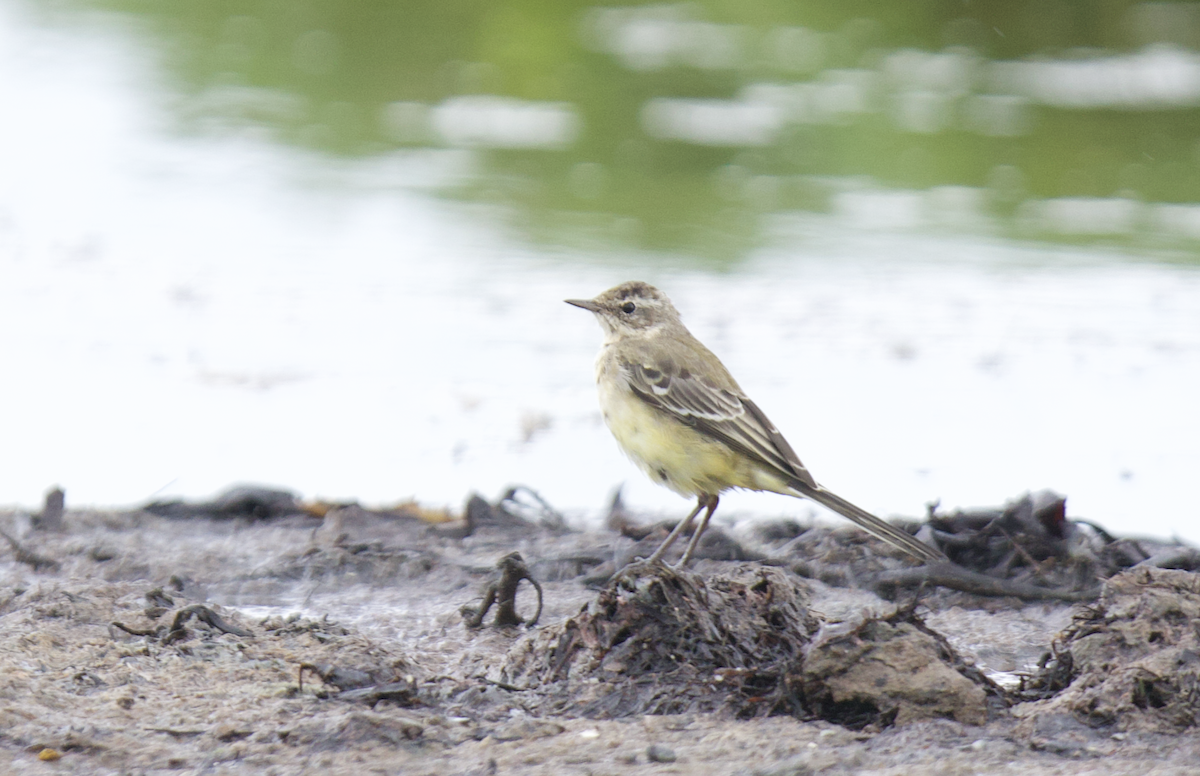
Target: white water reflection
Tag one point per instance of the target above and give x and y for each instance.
(658, 36)
(740, 123)
(1160, 77)
(501, 122)
(924, 92)
(177, 314)
(928, 93)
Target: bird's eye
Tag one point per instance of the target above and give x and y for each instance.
(628, 307)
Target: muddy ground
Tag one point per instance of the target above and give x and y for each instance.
(136, 643)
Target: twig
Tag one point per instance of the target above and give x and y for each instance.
(134, 631)
(29, 557)
(204, 615)
(1185, 558)
(958, 578)
(503, 593)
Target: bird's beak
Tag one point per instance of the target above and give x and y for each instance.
(586, 304)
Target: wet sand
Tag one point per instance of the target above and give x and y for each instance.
(112, 664)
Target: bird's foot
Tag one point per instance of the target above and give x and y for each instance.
(639, 568)
(686, 559)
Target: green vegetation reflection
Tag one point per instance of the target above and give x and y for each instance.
(680, 126)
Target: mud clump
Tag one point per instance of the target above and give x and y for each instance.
(744, 643)
(1131, 662)
(893, 670)
(671, 642)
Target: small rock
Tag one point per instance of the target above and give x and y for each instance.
(657, 753)
(48, 755)
(51, 518)
(100, 553)
(527, 729)
(227, 731)
(363, 727)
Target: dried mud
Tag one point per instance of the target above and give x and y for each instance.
(672, 642)
(1130, 662)
(296, 644)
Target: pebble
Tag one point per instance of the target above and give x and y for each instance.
(227, 731)
(657, 753)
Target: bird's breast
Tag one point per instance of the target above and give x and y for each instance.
(671, 453)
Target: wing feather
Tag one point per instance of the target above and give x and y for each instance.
(730, 417)
(724, 414)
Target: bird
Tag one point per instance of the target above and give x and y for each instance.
(677, 412)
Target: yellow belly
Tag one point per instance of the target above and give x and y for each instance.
(674, 454)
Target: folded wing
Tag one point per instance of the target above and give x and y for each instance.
(724, 414)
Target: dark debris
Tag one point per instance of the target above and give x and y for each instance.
(251, 502)
(502, 592)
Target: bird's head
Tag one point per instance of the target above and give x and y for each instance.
(630, 308)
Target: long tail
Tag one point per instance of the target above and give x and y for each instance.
(869, 523)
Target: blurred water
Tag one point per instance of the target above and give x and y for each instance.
(189, 299)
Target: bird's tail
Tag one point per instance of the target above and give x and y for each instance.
(889, 533)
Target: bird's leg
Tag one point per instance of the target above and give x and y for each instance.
(710, 502)
(679, 529)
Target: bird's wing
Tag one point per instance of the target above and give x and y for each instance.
(726, 415)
